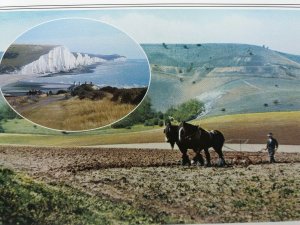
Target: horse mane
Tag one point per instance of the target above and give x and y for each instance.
(190, 126)
(201, 129)
(174, 126)
(171, 125)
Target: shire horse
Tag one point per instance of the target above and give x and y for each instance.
(188, 136)
(172, 136)
(202, 139)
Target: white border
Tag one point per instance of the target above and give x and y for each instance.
(59, 4)
(13, 5)
(142, 2)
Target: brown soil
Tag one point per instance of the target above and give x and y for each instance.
(248, 189)
(47, 159)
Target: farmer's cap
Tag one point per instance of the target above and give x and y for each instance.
(270, 134)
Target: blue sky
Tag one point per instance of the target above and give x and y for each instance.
(276, 28)
(83, 35)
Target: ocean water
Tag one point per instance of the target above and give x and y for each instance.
(131, 73)
(128, 74)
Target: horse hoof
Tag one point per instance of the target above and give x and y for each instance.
(186, 163)
(221, 163)
(208, 165)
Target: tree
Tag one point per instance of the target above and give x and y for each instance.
(6, 112)
(160, 123)
(160, 115)
(142, 113)
(124, 123)
(1, 129)
(186, 111)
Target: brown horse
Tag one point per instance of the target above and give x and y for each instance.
(198, 139)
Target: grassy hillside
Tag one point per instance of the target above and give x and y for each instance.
(214, 55)
(236, 78)
(17, 56)
(82, 108)
(250, 128)
(295, 58)
(75, 114)
(253, 128)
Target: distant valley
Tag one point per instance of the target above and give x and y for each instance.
(228, 78)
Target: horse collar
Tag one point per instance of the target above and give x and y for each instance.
(192, 135)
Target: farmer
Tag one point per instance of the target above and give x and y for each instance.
(272, 146)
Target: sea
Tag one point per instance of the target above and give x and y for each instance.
(128, 74)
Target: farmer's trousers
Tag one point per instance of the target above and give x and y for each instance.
(271, 155)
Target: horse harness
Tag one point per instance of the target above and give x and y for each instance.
(210, 133)
(188, 137)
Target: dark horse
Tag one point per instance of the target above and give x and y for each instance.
(198, 139)
(187, 136)
(171, 133)
(172, 136)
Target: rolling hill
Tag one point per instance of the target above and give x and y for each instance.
(228, 78)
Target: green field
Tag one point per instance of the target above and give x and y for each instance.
(285, 125)
(25, 201)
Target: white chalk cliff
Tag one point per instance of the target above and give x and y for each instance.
(120, 59)
(59, 59)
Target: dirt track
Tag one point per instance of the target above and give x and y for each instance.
(227, 147)
(44, 101)
(249, 189)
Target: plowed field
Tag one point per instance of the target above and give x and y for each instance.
(248, 189)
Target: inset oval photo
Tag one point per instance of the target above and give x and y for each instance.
(74, 74)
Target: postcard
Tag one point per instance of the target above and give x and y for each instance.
(149, 112)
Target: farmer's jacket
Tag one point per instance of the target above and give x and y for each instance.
(272, 143)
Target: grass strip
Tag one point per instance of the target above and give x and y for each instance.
(25, 201)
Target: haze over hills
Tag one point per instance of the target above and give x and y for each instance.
(228, 78)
